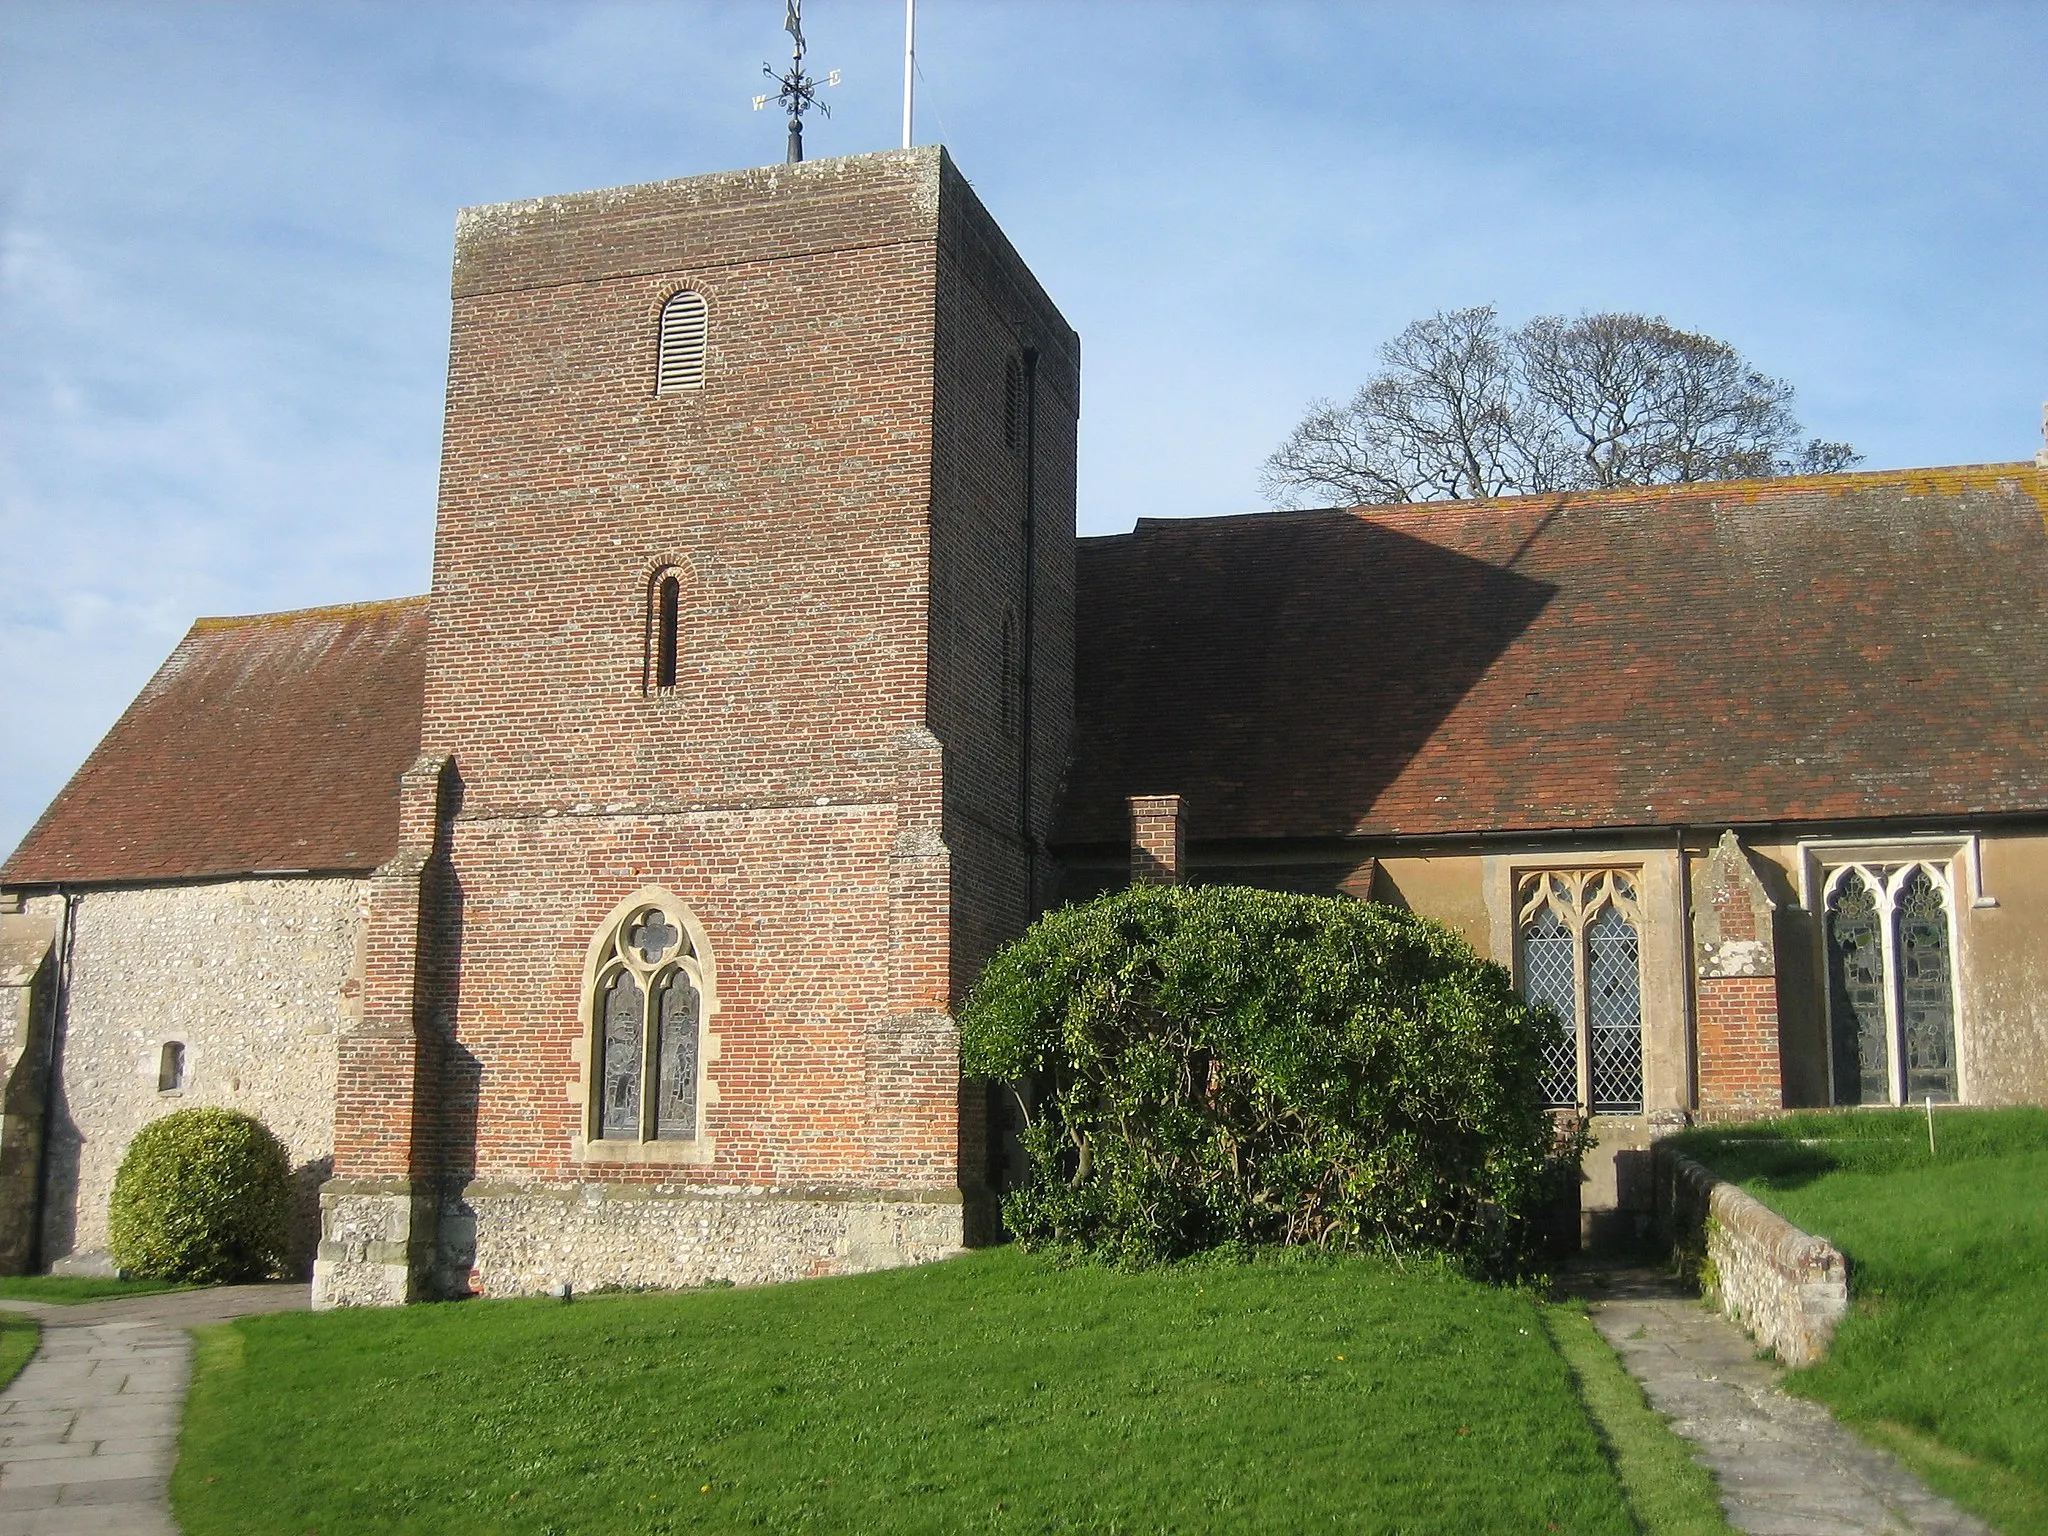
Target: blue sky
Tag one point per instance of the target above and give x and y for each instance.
(224, 239)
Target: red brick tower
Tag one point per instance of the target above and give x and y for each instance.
(749, 686)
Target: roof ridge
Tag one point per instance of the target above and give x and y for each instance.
(327, 611)
(1949, 477)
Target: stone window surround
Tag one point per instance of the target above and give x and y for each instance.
(1955, 859)
(1597, 886)
(178, 1068)
(583, 1089)
(1663, 951)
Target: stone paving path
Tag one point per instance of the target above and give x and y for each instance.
(1785, 1467)
(89, 1429)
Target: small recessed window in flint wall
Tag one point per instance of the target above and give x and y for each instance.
(684, 326)
(667, 616)
(170, 1068)
(1013, 405)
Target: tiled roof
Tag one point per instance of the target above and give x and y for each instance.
(265, 743)
(1831, 647)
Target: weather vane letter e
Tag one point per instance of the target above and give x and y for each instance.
(795, 91)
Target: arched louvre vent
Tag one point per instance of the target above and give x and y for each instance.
(684, 325)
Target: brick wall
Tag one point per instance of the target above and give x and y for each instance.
(1735, 989)
(1738, 1043)
(833, 785)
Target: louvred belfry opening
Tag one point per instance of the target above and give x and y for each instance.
(685, 328)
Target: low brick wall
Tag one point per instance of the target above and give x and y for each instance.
(1787, 1287)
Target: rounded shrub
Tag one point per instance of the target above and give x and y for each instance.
(1214, 1067)
(205, 1195)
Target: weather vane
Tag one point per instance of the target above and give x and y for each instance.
(797, 92)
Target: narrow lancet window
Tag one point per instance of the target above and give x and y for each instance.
(684, 330)
(1926, 991)
(668, 596)
(1856, 994)
(624, 1032)
(1614, 1014)
(1550, 974)
(676, 1102)
(170, 1068)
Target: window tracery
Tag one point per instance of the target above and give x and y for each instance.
(647, 1027)
(1581, 952)
(1889, 932)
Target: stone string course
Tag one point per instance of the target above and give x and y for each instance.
(1787, 1287)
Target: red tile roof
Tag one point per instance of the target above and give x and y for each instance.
(266, 743)
(1831, 647)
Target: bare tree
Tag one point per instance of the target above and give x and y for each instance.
(1462, 407)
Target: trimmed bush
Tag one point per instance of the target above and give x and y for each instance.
(1216, 1067)
(204, 1195)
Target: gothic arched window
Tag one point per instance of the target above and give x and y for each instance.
(1581, 952)
(1891, 983)
(646, 1022)
(685, 327)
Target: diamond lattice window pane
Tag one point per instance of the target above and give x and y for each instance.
(1549, 975)
(1614, 1014)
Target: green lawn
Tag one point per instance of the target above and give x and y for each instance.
(67, 1289)
(1944, 1357)
(991, 1393)
(19, 1336)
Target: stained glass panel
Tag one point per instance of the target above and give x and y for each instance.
(676, 1106)
(653, 936)
(1614, 1014)
(1856, 994)
(1550, 975)
(625, 1017)
(1926, 991)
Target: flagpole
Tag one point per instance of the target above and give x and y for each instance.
(909, 63)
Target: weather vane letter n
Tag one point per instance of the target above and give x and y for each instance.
(796, 92)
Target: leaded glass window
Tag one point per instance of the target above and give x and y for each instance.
(1856, 994)
(1891, 983)
(625, 1022)
(1581, 954)
(676, 1112)
(1550, 974)
(647, 1021)
(1927, 1015)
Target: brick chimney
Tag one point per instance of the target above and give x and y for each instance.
(1158, 840)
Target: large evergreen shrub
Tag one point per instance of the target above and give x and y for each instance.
(1216, 1067)
(202, 1194)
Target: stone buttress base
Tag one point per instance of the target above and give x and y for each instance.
(387, 1247)
(377, 1242)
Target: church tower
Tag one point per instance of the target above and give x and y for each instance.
(749, 689)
